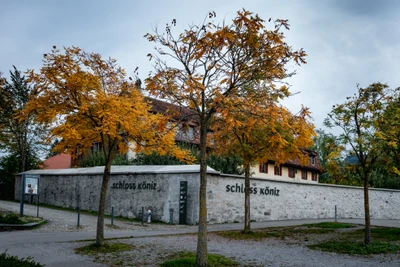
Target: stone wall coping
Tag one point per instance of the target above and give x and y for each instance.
(124, 170)
(223, 175)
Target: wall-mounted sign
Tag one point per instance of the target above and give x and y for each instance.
(266, 191)
(183, 202)
(134, 186)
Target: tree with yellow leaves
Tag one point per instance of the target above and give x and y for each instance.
(212, 62)
(85, 99)
(362, 120)
(390, 133)
(258, 132)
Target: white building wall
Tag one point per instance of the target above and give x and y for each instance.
(285, 174)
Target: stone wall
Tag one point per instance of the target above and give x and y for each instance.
(280, 200)
(134, 187)
(130, 188)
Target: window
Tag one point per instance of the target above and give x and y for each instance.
(97, 146)
(304, 175)
(186, 133)
(292, 172)
(278, 170)
(264, 167)
(312, 159)
(314, 176)
(190, 133)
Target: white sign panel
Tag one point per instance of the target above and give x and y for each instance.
(31, 185)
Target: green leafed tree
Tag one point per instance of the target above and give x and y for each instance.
(17, 137)
(20, 141)
(360, 119)
(390, 132)
(330, 155)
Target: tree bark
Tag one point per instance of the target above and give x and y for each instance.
(247, 199)
(202, 251)
(102, 204)
(367, 238)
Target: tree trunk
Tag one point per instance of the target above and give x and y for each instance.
(247, 199)
(201, 255)
(102, 204)
(24, 149)
(367, 239)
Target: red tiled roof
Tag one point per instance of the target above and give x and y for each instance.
(60, 161)
(314, 167)
(176, 111)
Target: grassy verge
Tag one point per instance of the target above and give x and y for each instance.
(93, 249)
(188, 259)
(330, 225)
(12, 218)
(328, 236)
(385, 240)
(356, 248)
(276, 232)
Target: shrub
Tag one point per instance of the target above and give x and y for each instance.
(7, 260)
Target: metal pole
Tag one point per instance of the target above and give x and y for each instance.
(171, 216)
(335, 213)
(112, 216)
(142, 215)
(21, 207)
(79, 216)
(37, 211)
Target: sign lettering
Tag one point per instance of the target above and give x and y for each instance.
(236, 188)
(133, 186)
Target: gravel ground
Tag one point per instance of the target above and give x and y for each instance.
(66, 221)
(150, 251)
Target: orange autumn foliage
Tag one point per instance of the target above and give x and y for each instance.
(214, 63)
(85, 99)
(258, 133)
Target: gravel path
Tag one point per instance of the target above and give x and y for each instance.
(66, 221)
(150, 251)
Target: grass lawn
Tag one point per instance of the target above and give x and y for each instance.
(188, 259)
(328, 236)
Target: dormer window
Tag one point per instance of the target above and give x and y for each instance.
(190, 133)
(312, 159)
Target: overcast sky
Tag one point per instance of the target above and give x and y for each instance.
(348, 42)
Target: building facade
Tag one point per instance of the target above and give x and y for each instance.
(291, 170)
(188, 132)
